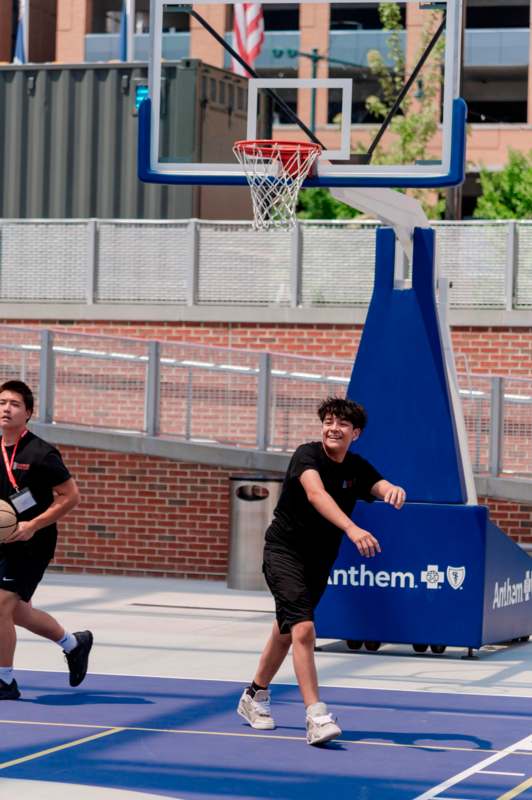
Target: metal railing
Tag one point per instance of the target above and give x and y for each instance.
(201, 263)
(244, 398)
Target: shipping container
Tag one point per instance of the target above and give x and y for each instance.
(68, 140)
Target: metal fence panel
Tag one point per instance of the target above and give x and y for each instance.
(20, 351)
(209, 394)
(523, 282)
(475, 394)
(142, 263)
(338, 263)
(298, 385)
(240, 266)
(43, 261)
(473, 257)
(100, 381)
(517, 422)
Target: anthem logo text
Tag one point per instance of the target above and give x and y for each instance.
(509, 593)
(432, 577)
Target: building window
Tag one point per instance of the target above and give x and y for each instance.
(276, 16)
(496, 112)
(281, 17)
(346, 16)
(501, 15)
(106, 17)
(176, 22)
(496, 94)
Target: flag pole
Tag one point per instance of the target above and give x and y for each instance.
(27, 29)
(127, 31)
(130, 47)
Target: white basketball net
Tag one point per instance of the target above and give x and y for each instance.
(275, 172)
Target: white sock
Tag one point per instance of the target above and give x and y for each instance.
(68, 642)
(6, 674)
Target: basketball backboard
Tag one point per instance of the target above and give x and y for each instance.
(314, 74)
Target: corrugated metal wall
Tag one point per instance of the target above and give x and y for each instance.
(68, 142)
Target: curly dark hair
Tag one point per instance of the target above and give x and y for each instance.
(344, 409)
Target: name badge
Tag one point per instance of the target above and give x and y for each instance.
(22, 501)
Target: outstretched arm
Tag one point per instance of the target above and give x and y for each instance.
(384, 490)
(324, 504)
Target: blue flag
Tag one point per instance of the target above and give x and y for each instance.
(20, 41)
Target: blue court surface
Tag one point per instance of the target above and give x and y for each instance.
(182, 739)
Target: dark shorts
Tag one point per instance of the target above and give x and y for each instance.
(296, 586)
(20, 574)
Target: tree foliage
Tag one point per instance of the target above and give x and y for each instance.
(320, 204)
(411, 131)
(507, 194)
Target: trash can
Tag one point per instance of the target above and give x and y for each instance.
(253, 499)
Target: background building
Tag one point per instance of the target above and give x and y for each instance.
(497, 82)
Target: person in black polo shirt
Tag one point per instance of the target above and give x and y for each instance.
(35, 481)
(322, 484)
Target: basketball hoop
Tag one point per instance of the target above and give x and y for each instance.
(275, 172)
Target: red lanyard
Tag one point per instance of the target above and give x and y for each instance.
(9, 463)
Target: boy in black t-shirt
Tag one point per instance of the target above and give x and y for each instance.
(321, 486)
(35, 481)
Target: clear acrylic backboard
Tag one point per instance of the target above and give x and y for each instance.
(313, 77)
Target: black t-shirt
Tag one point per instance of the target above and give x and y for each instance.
(39, 467)
(297, 526)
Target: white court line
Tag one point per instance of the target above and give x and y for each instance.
(430, 794)
(66, 746)
(496, 772)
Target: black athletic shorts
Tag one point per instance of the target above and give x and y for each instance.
(21, 574)
(296, 586)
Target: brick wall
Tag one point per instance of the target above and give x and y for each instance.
(513, 518)
(142, 515)
(145, 516)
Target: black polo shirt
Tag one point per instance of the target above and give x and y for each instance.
(39, 467)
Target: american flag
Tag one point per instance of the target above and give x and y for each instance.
(248, 34)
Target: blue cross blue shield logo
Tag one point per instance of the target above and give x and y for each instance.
(456, 576)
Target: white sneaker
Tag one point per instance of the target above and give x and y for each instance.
(256, 710)
(321, 726)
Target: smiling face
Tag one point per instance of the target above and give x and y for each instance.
(337, 435)
(13, 412)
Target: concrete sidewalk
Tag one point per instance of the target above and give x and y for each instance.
(202, 630)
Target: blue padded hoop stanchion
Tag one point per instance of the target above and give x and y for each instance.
(400, 377)
(446, 574)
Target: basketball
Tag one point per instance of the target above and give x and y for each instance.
(8, 520)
